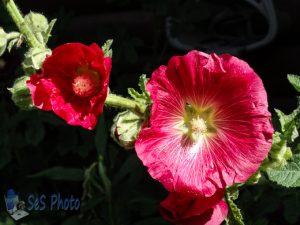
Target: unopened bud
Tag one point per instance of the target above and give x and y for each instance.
(20, 94)
(37, 22)
(126, 128)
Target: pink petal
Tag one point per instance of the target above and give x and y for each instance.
(243, 133)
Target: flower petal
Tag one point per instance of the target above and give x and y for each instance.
(182, 209)
(40, 89)
(242, 134)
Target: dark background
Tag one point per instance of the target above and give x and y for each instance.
(31, 142)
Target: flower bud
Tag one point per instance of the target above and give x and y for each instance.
(37, 22)
(21, 94)
(126, 128)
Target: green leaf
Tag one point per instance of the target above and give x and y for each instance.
(235, 216)
(291, 133)
(143, 96)
(295, 81)
(106, 48)
(286, 120)
(288, 175)
(60, 173)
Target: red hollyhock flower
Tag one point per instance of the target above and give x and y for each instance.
(73, 83)
(209, 127)
(187, 210)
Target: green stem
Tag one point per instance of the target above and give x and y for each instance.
(18, 19)
(121, 102)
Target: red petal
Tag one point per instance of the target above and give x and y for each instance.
(182, 209)
(40, 89)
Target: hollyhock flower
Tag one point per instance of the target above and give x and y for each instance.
(73, 83)
(209, 125)
(182, 209)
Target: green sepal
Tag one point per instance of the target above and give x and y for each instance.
(106, 48)
(235, 216)
(295, 81)
(254, 179)
(47, 33)
(35, 57)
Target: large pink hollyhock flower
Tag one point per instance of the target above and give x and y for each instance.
(182, 209)
(73, 83)
(209, 127)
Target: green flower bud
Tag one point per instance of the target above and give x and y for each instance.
(279, 153)
(126, 128)
(37, 22)
(21, 94)
(3, 41)
(35, 57)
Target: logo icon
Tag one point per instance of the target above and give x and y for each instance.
(14, 206)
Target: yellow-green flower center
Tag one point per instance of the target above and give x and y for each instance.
(198, 122)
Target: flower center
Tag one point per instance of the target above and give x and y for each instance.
(86, 83)
(198, 122)
(198, 125)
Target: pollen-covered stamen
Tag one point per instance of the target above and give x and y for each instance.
(198, 122)
(198, 125)
(86, 83)
(197, 128)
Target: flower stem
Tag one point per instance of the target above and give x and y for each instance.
(121, 102)
(18, 19)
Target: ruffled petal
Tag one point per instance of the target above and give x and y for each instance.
(75, 114)
(242, 134)
(54, 90)
(40, 89)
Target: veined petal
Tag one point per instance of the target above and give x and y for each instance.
(209, 127)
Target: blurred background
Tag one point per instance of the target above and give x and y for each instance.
(39, 153)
